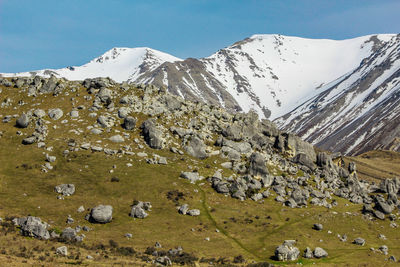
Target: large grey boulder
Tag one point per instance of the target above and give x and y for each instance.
(68, 234)
(129, 123)
(163, 261)
(191, 176)
(258, 165)
(33, 226)
(390, 186)
(49, 85)
(123, 112)
(152, 134)
(105, 121)
(29, 140)
(287, 251)
(382, 205)
(105, 95)
(304, 160)
(101, 214)
(320, 253)
(183, 209)
(308, 254)
(230, 153)
(193, 212)
(23, 121)
(195, 147)
(171, 102)
(55, 113)
(65, 189)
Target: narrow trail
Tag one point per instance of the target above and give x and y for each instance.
(221, 229)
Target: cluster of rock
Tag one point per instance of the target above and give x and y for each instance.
(65, 190)
(139, 209)
(288, 252)
(184, 210)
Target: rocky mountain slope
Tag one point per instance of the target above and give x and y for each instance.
(357, 113)
(339, 95)
(113, 173)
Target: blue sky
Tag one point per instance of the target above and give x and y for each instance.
(38, 34)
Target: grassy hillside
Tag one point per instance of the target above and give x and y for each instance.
(225, 229)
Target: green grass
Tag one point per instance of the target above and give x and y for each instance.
(245, 228)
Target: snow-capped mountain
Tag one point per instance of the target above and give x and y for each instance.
(324, 90)
(358, 112)
(119, 63)
(269, 73)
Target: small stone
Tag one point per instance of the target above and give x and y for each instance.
(70, 219)
(359, 241)
(194, 212)
(117, 139)
(128, 235)
(62, 251)
(308, 254)
(318, 226)
(80, 209)
(384, 249)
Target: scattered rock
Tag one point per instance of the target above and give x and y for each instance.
(359, 241)
(101, 214)
(23, 121)
(258, 165)
(117, 138)
(318, 226)
(29, 140)
(194, 212)
(193, 177)
(164, 260)
(62, 251)
(128, 235)
(55, 113)
(320, 253)
(65, 189)
(129, 123)
(152, 134)
(183, 209)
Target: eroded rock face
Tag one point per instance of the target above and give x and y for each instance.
(33, 226)
(101, 214)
